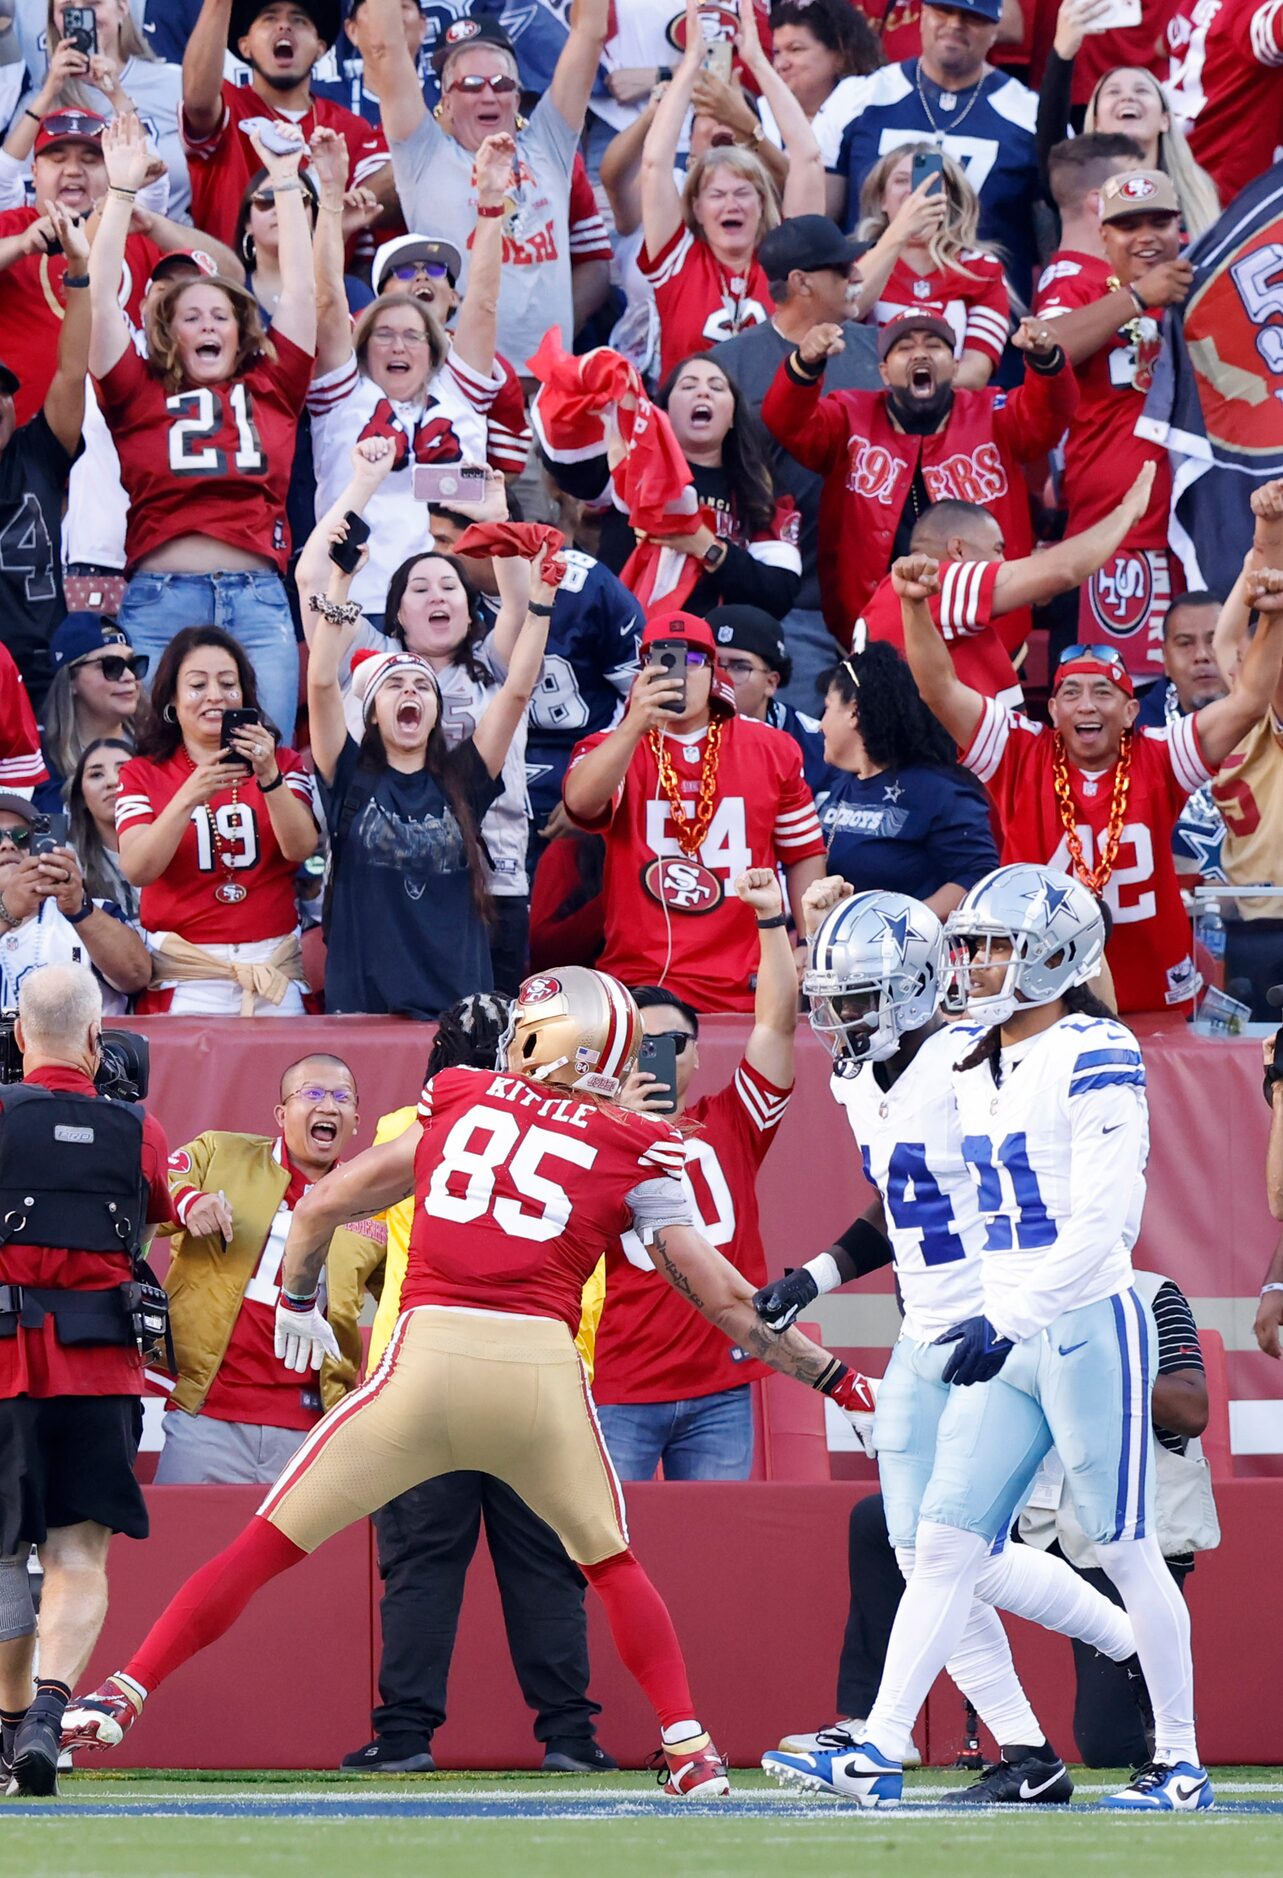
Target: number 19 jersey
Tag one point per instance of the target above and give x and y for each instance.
(911, 1146)
(519, 1187)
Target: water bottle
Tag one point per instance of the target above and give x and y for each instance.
(1211, 935)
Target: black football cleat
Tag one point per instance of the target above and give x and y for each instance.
(1023, 1777)
(35, 1758)
(382, 1756)
(577, 1754)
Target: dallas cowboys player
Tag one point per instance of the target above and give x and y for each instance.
(875, 984)
(1055, 1127)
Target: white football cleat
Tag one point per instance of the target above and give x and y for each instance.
(860, 1773)
(841, 1734)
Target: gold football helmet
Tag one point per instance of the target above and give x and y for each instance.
(575, 1027)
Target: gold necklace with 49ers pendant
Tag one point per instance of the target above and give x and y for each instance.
(1096, 877)
(690, 829)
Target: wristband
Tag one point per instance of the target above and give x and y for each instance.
(831, 1377)
(290, 185)
(805, 374)
(122, 195)
(540, 612)
(663, 76)
(824, 1272)
(34, 116)
(335, 208)
(1048, 367)
(1140, 305)
(75, 280)
(776, 919)
(868, 1249)
(266, 789)
(299, 1300)
(77, 919)
(1265, 1288)
(489, 214)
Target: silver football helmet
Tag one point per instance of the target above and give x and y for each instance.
(876, 970)
(1053, 925)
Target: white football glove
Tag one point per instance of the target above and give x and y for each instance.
(861, 1418)
(303, 1338)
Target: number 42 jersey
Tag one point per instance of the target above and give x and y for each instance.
(519, 1187)
(911, 1146)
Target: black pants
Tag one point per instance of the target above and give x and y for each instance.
(426, 1540)
(1107, 1722)
(876, 1589)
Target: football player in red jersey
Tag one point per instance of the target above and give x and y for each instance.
(688, 795)
(1095, 798)
(1226, 59)
(521, 1178)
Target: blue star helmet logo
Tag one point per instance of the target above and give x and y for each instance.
(897, 926)
(1048, 899)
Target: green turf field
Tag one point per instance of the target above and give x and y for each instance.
(436, 1826)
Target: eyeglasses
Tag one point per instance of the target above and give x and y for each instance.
(474, 84)
(678, 1038)
(741, 668)
(341, 1098)
(20, 837)
(406, 270)
(115, 665)
(389, 336)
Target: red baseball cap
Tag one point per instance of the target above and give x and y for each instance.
(695, 631)
(195, 257)
(58, 127)
(1093, 662)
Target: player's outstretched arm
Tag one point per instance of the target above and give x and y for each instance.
(915, 577)
(371, 1181)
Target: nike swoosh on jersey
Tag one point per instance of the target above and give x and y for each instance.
(1031, 1793)
(1069, 1350)
(1112, 1129)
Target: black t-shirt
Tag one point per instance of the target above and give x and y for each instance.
(405, 935)
(33, 481)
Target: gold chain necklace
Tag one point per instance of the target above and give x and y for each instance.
(1093, 877)
(690, 830)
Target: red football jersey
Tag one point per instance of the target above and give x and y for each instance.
(676, 921)
(701, 302)
(34, 1362)
(1149, 949)
(963, 612)
(973, 298)
(21, 764)
(222, 164)
(520, 1188)
(211, 460)
(32, 303)
(651, 1346)
(183, 900)
(508, 434)
(589, 240)
(1224, 83)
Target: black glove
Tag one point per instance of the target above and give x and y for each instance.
(779, 1304)
(980, 1354)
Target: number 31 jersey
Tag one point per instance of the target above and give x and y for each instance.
(209, 459)
(911, 1146)
(519, 1187)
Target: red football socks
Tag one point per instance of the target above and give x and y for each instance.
(211, 1601)
(644, 1635)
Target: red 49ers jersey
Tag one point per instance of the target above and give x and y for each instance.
(963, 613)
(676, 921)
(1149, 949)
(209, 459)
(1226, 57)
(972, 296)
(520, 1187)
(183, 899)
(701, 302)
(651, 1346)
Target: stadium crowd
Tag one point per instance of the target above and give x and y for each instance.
(452, 461)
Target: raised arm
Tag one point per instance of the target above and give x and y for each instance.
(295, 315)
(203, 67)
(957, 706)
(769, 1049)
(575, 73)
(1223, 725)
(476, 327)
(621, 168)
(64, 405)
(812, 428)
(327, 646)
(1072, 562)
(804, 182)
(918, 218)
(498, 726)
(661, 205)
(588, 789)
(124, 149)
(390, 71)
(330, 162)
(372, 461)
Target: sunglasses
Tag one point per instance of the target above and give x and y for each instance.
(474, 84)
(406, 270)
(115, 665)
(696, 658)
(69, 124)
(678, 1038)
(341, 1098)
(1108, 655)
(20, 837)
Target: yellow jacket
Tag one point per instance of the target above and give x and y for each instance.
(399, 1219)
(206, 1283)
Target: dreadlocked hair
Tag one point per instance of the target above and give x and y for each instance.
(1079, 1001)
(468, 1034)
(895, 726)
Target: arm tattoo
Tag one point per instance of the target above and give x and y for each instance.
(673, 1273)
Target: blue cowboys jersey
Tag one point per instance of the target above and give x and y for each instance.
(911, 1147)
(989, 131)
(1058, 1150)
(805, 732)
(588, 669)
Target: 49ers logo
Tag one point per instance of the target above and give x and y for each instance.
(539, 990)
(1130, 595)
(685, 886)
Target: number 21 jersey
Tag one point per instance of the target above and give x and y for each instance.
(208, 459)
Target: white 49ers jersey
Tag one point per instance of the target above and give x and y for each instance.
(911, 1145)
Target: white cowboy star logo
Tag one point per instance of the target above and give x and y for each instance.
(892, 792)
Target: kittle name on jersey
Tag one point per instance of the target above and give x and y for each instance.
(548, 1108)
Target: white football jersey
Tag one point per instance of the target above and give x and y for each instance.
(911, 1146)
(1058, 1150)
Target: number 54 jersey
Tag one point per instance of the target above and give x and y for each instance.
(519, 1187)
(910, 1143)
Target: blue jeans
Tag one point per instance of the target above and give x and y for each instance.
(708, 1437)
(251, 607)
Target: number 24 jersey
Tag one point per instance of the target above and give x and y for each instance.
(208, 459)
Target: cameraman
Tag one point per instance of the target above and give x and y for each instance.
(70, 1370)
(1269, 1315)
(47, 916)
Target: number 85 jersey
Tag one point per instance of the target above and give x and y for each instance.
(208, 459)
(911, 1144)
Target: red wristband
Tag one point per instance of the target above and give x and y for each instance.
(499, 209)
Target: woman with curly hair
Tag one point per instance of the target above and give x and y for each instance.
(897, 809)
(205, 428)
(822, 49)
(923, 247)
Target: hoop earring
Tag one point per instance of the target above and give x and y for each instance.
(169, 714)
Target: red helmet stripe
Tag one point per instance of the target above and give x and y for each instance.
(615, 1052)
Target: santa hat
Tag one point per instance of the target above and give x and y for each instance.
(370, 669)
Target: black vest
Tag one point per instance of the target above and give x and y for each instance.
(71, 1172)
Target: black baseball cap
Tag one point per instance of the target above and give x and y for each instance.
(806, 242)
(325, 15)
(750, 629)
(478, 29)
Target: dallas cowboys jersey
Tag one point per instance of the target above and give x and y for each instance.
(1058, 1150)
(588, 669)
(989, 131)
(911, 1147)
